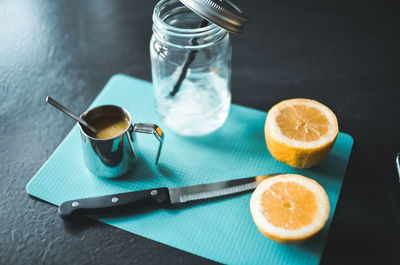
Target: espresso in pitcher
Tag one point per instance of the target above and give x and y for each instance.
(108, 126)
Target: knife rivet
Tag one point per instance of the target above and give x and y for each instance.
(114, 199)
(154, 192)
(75, 204)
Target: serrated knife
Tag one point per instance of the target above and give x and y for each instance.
(163, 197)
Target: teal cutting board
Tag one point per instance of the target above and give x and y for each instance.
(221, 230)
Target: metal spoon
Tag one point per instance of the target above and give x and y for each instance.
(69, 113)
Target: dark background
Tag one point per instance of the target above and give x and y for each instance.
(344, 53)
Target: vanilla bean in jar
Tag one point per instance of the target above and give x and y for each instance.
(191, 63)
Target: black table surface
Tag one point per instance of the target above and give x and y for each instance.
(345, 54)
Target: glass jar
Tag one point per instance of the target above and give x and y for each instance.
(191, 70)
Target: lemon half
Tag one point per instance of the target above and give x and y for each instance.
(289, 208)
(300, 132)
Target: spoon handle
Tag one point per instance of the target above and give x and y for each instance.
(69, 113)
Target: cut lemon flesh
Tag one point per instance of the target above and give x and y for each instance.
(302, 123)
(289, 205)
(300, 132)
(289, 208)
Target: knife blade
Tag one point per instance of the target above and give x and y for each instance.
(163, 197)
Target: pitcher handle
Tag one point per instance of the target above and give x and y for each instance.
(150, 128)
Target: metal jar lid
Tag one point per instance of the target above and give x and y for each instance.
(220, 12)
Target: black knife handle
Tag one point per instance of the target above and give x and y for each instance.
(114, 203)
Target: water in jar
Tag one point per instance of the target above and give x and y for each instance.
(201, 105)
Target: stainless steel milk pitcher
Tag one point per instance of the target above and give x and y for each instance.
(113, 157)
